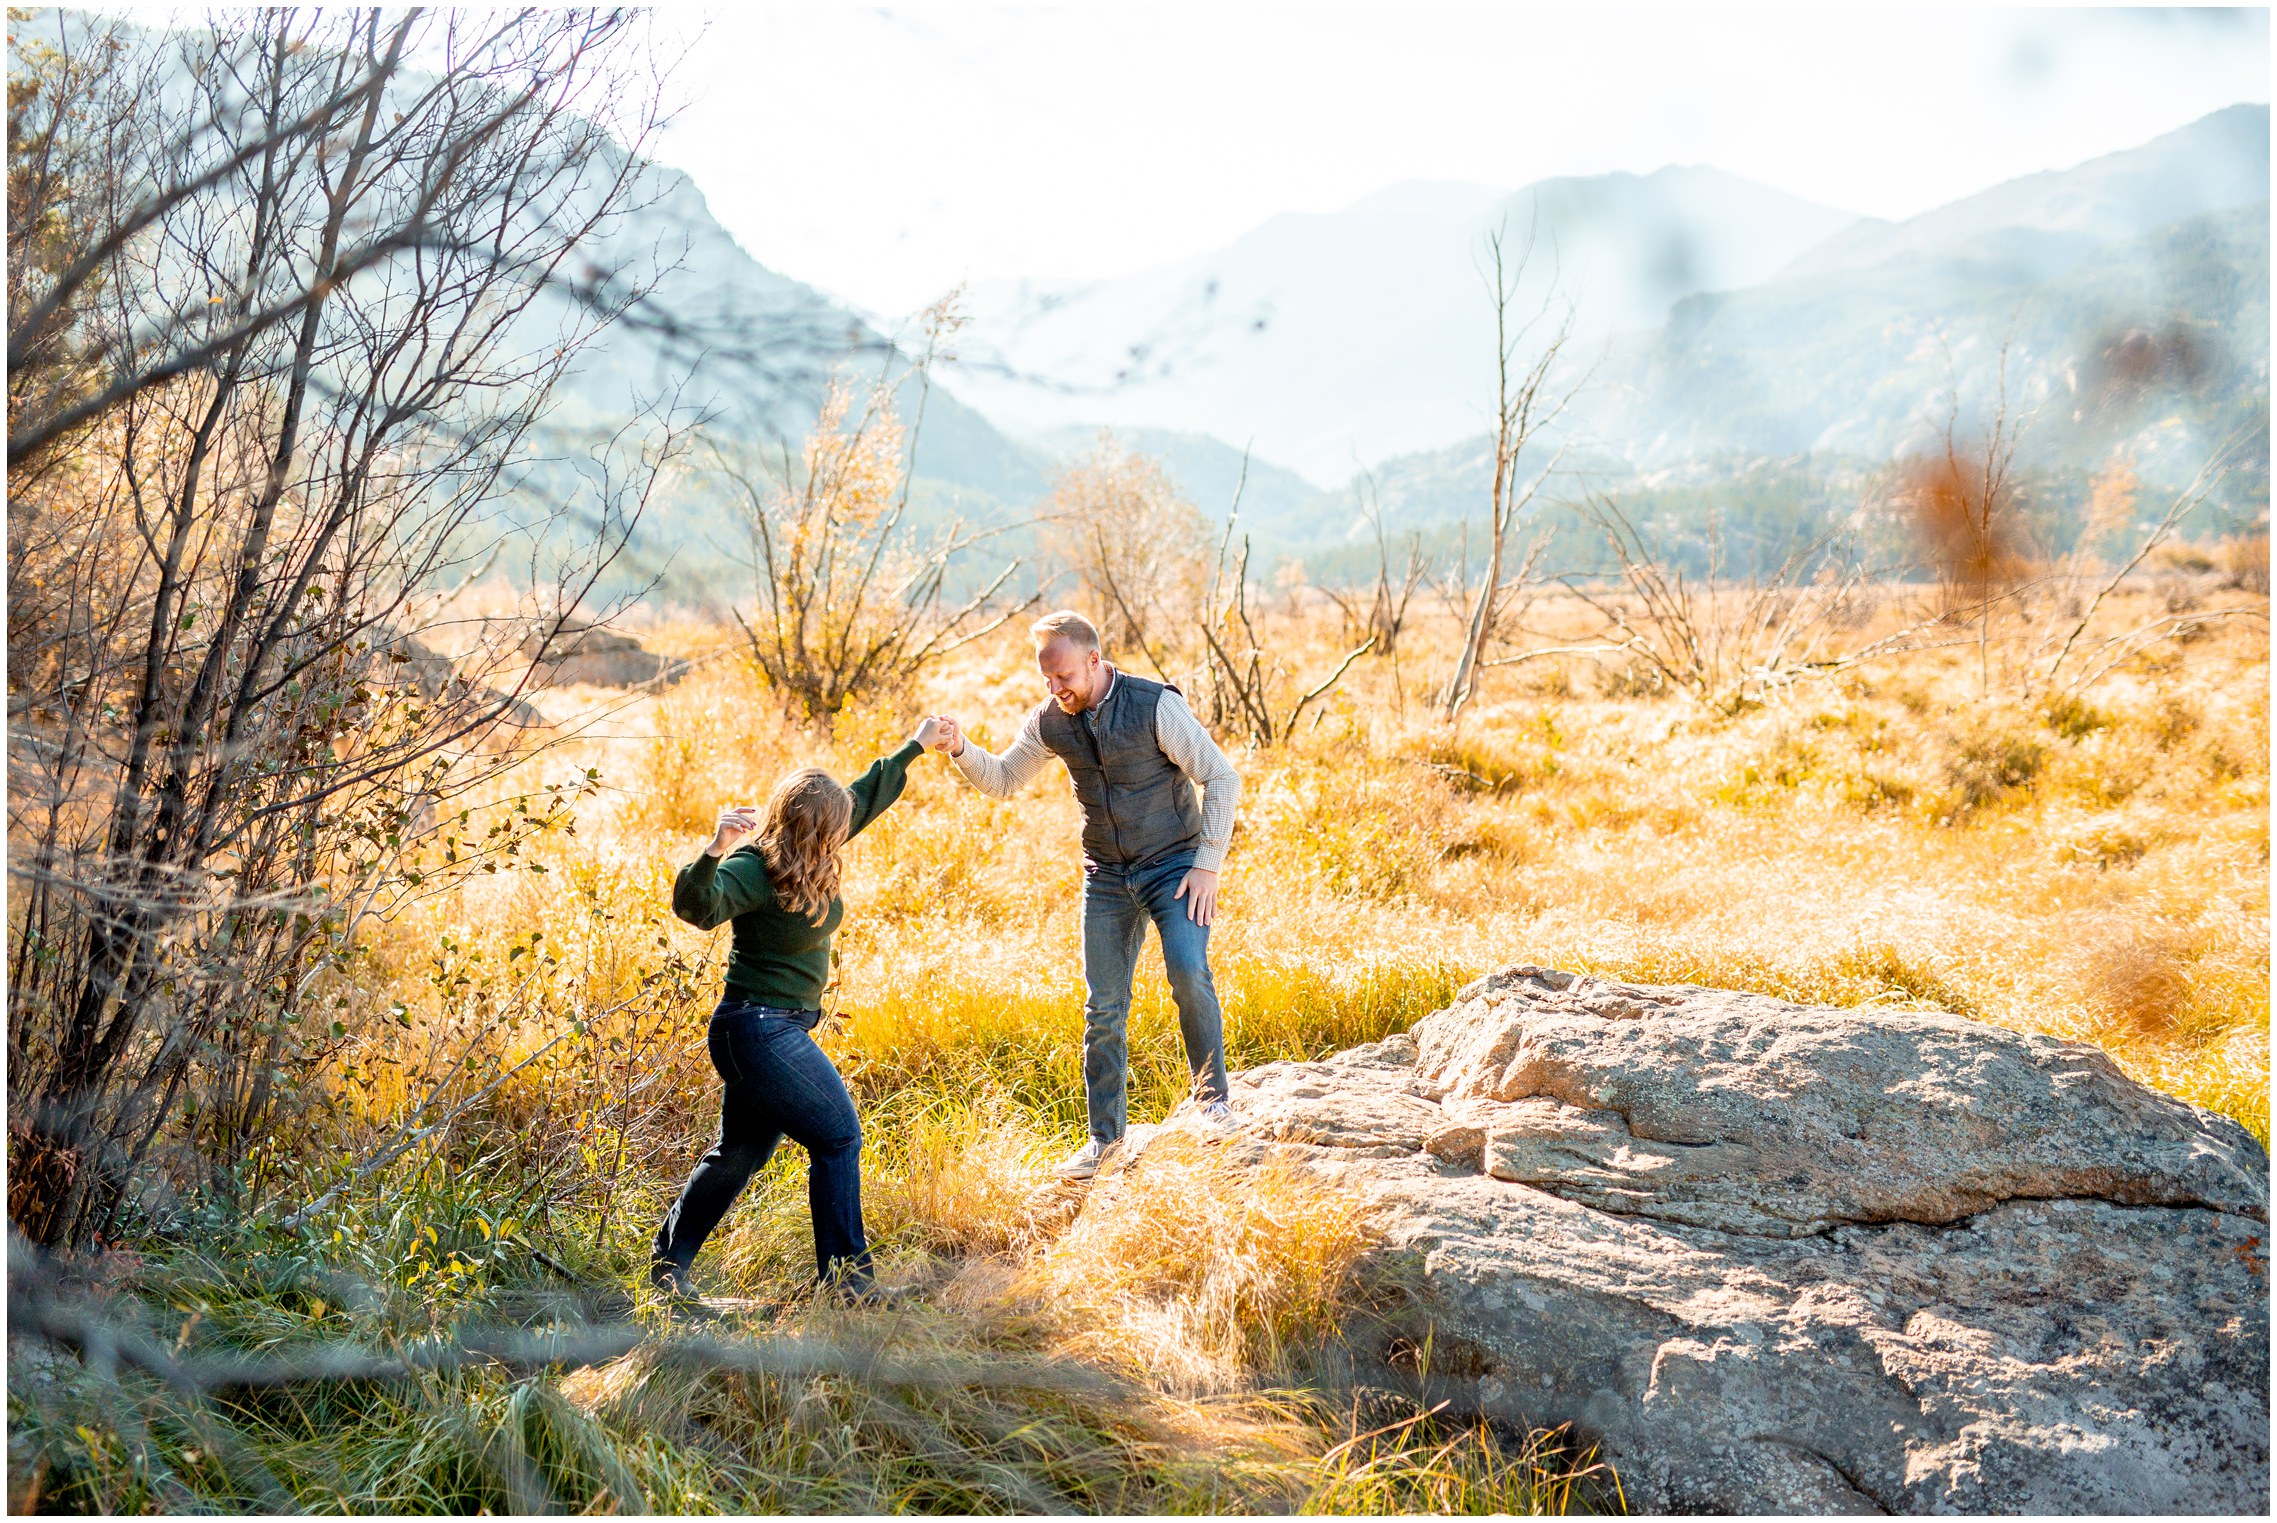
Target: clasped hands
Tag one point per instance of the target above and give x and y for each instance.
(939, 732)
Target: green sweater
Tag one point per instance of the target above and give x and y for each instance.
(780, 958)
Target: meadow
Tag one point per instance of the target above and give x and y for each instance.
(354, 1052)
(521, 1083)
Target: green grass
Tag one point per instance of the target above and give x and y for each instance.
(967, 1038)
(823, 1410)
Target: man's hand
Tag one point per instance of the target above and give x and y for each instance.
(734, 824)
(952, 736)
(1199, 888)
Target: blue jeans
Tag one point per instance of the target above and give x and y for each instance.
(777, 1083)
(1117, 904)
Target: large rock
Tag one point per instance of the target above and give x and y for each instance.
(1780, 1259)
(561, 654)
(398, 657)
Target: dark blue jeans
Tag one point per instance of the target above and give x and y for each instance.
(1117, 904)
(777, 1083)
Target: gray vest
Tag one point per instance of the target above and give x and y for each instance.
(1138, 808)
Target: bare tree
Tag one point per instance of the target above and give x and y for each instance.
(1240, 669)
(1967, 506)
(1137, 550)
(1525, 403)
(276, 376)
(852, 598)
(1384, 616)
(2071, 614)
(1726, 644)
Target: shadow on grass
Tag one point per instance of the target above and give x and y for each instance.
(179, 1385)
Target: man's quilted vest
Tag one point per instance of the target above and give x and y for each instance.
(1138, 808)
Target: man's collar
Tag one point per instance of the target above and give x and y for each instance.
(1100, 702)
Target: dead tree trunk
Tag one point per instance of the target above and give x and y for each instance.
(1524, 404)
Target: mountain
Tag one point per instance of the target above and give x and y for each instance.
(1334, 339)
(1867, 363)
(1773, 403)
(1776, 409)
(2057, 217)
(729, 337)
(1777, 406)
(2157, 257)
(719, 335)
(1754, 355)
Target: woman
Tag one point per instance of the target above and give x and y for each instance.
(781, 892)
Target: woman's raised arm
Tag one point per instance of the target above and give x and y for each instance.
(875, 790)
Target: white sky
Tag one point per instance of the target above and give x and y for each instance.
(884, 154)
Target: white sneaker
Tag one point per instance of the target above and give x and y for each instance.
(1083, 1162)
(1218, 1117)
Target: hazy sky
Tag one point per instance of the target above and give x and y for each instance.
(885, 153)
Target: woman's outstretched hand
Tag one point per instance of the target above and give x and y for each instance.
(735, 823)
(928, 732)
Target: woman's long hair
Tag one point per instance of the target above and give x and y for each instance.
(808, 816)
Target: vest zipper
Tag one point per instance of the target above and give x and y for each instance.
(1106, 784)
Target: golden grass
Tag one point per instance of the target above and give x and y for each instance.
(1200, 1273)
(964, 1175)
(2091, 865)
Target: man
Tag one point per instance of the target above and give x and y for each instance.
(1135, 753)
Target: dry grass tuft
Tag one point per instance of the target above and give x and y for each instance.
(2139, 977)
(960, 1179)
(1408, 1468)
(1203, 1272)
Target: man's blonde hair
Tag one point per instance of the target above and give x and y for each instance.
(1067, 625)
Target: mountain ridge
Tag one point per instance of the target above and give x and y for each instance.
(1837, 353)
(1996, 244)
(2168, 178)
(1279, 331)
